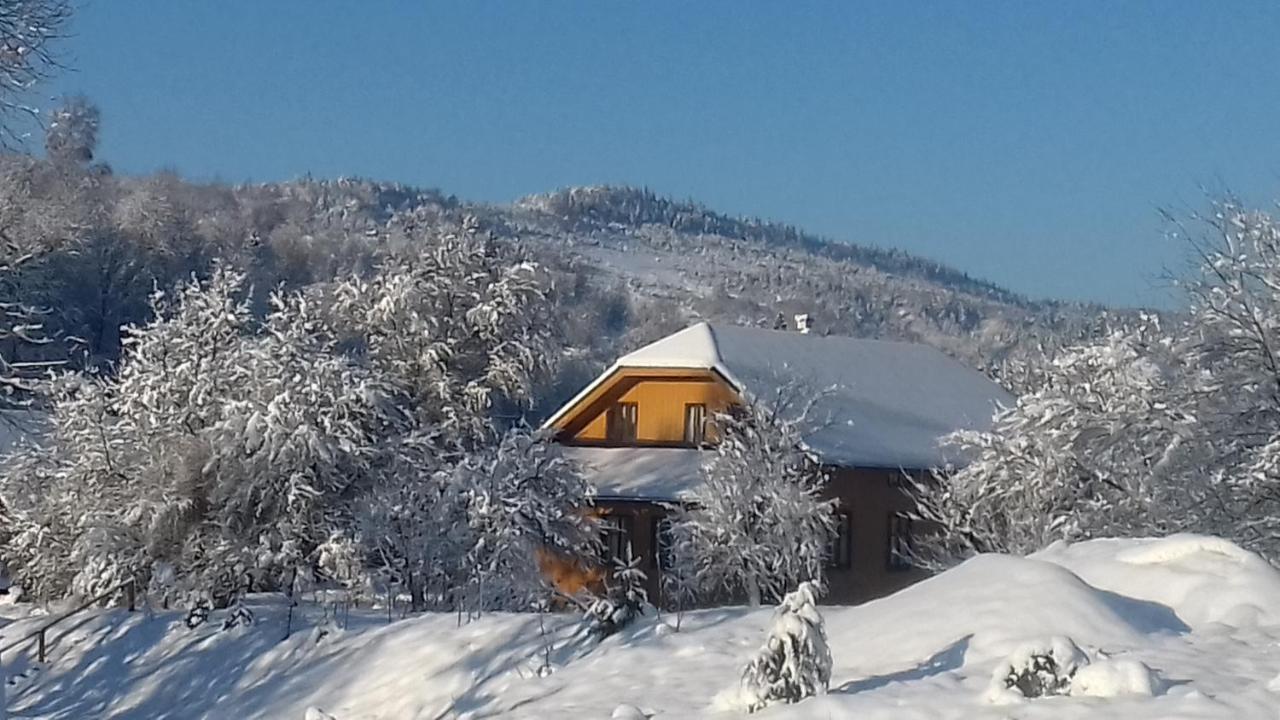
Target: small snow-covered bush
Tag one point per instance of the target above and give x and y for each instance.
(625, 599)
(1037, 669)
(198, 614)
(1113, 678)
(238, 616)
(794, 662)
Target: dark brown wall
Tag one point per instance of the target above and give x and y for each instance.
(868, 496)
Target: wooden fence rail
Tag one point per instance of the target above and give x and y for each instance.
(40, 634)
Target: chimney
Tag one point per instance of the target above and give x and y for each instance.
(804, 323)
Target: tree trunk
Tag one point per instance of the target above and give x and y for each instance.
(417, 594)
(753, 591)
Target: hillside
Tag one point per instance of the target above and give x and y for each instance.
(638, 266)
(704, 264)
(628, 265)
(1198, 613)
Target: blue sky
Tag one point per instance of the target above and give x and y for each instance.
(1030, 143)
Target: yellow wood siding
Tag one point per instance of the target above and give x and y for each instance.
(597, 429)
(660, 405)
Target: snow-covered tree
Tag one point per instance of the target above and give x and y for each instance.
(29, 30)
(795, 662)
(466, 535)
(757, 525)
(520, 498)
(409, 523)
(1233, 342)
(1151, 430)
(229, 449)
(1096, 450)
(461, 320)
(72, 133)
(223, 448)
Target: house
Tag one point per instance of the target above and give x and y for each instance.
(639, 431)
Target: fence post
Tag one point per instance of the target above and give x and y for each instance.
(131, 594)
(40, 645)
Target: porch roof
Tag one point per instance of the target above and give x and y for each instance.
(639, 473)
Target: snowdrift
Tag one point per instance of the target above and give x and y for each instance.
(1203, 580)
(1177, 627)
(992, 604)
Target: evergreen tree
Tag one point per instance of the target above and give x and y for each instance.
(795, 662)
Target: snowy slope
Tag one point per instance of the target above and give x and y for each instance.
(1203, 614)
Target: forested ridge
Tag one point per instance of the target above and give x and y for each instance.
(87, 248)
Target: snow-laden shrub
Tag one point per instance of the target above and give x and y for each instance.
(794, 663)
(1036, 669)
(197, 614)
(625, 598)
(1113, 678)
(238, 615)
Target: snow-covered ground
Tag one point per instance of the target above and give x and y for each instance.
(1202, 614)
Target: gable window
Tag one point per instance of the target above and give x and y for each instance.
(621, 422)
(901, 545)
(840, 548)
(695, 424)
(615, 538)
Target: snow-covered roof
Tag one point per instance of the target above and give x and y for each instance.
(886, 404)
(638, 473)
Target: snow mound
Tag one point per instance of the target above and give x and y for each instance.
(990, 606)
(1202, 580)
(1114, 678)
(628, 712)
(1175, 548)
(315, 713)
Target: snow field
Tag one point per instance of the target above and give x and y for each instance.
(1171, 628)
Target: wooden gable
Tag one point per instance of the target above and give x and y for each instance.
(660, 396)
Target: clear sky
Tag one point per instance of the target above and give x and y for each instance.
(1030, 143)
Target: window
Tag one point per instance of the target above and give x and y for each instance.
(621, 422)
(840, 549)
(615, 537)
(901, 545)
(663, 544)
(695, 424)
